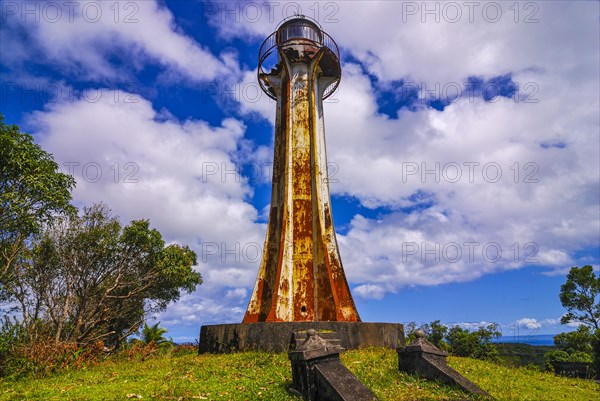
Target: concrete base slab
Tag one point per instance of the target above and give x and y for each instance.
(275, 336)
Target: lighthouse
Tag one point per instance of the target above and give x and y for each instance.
(301, 277)
(301, 283)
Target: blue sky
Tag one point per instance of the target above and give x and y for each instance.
(463, 143)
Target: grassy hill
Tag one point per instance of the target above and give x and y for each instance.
(261, 376)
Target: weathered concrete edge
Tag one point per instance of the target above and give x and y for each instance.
(447, 375)
(275, 336)
(335, 382)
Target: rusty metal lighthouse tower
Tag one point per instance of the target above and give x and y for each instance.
(301, 283)
(301, 278)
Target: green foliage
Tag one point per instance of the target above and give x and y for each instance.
(410, 329)
(579, 340)
(562, 356)
(596, 352)
(579, 356)
(155, 334)
(22, 355)
(580, 295)
(474, 344)
(90, 279)
(462, 342)
(435, 332)
(12, 336)
(456, 340)
(555, 356)
(521, 354)
(32, 192)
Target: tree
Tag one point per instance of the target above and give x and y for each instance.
(32, 192)
(154, 334)
(91, 279)
(410, 329)
(596, 352)
(579, 340)
(562, 356)
(580, 295)
(435, 333)
(456, 340)
(474, 344)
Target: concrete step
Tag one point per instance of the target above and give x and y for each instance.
(298, 338)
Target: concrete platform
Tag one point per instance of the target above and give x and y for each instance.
(275, 337)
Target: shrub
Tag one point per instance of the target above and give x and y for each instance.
(137, 350)
(23, 354)
(458, 341)
(435, 332)
(554, 356)
(185, 350)
(12, 336)
(596, 352)
(580, 356)
(474, 344)
(45, 356)
(579, 340)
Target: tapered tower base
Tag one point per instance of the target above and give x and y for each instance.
(275, 337)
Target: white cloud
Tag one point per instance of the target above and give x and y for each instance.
(396, 41)
(238, 294)
(169, 172)
(470, 326)
(550, 322)
(543, 207)
(532, 326)
(373, 153)
(195, 310)
(82, 37)
(564, 270)
(528, 323)
(369, 291)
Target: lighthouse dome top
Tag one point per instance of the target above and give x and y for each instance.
(299, 27)
(300, 39)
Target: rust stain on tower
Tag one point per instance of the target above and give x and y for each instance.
(301, 277)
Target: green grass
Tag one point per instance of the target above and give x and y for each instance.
(256, 376)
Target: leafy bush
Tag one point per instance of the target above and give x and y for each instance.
(458, 341)
(580, 357)
(554, 356)
(435, 333)
(44, 356)
(596, 352)
(22, 354)
(184, 350)
(579, 340)
(155, 334)
(12, 335)
(137, 350)
(410, 329)
(474, 344)
(575, 346)
(562, 356)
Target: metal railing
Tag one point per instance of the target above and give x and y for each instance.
(273, 40)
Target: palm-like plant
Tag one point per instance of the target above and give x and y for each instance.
(154, 334)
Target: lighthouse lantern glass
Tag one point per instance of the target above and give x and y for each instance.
(299, 30)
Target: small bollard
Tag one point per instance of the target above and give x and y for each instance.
(319, 375)
(425, 359)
